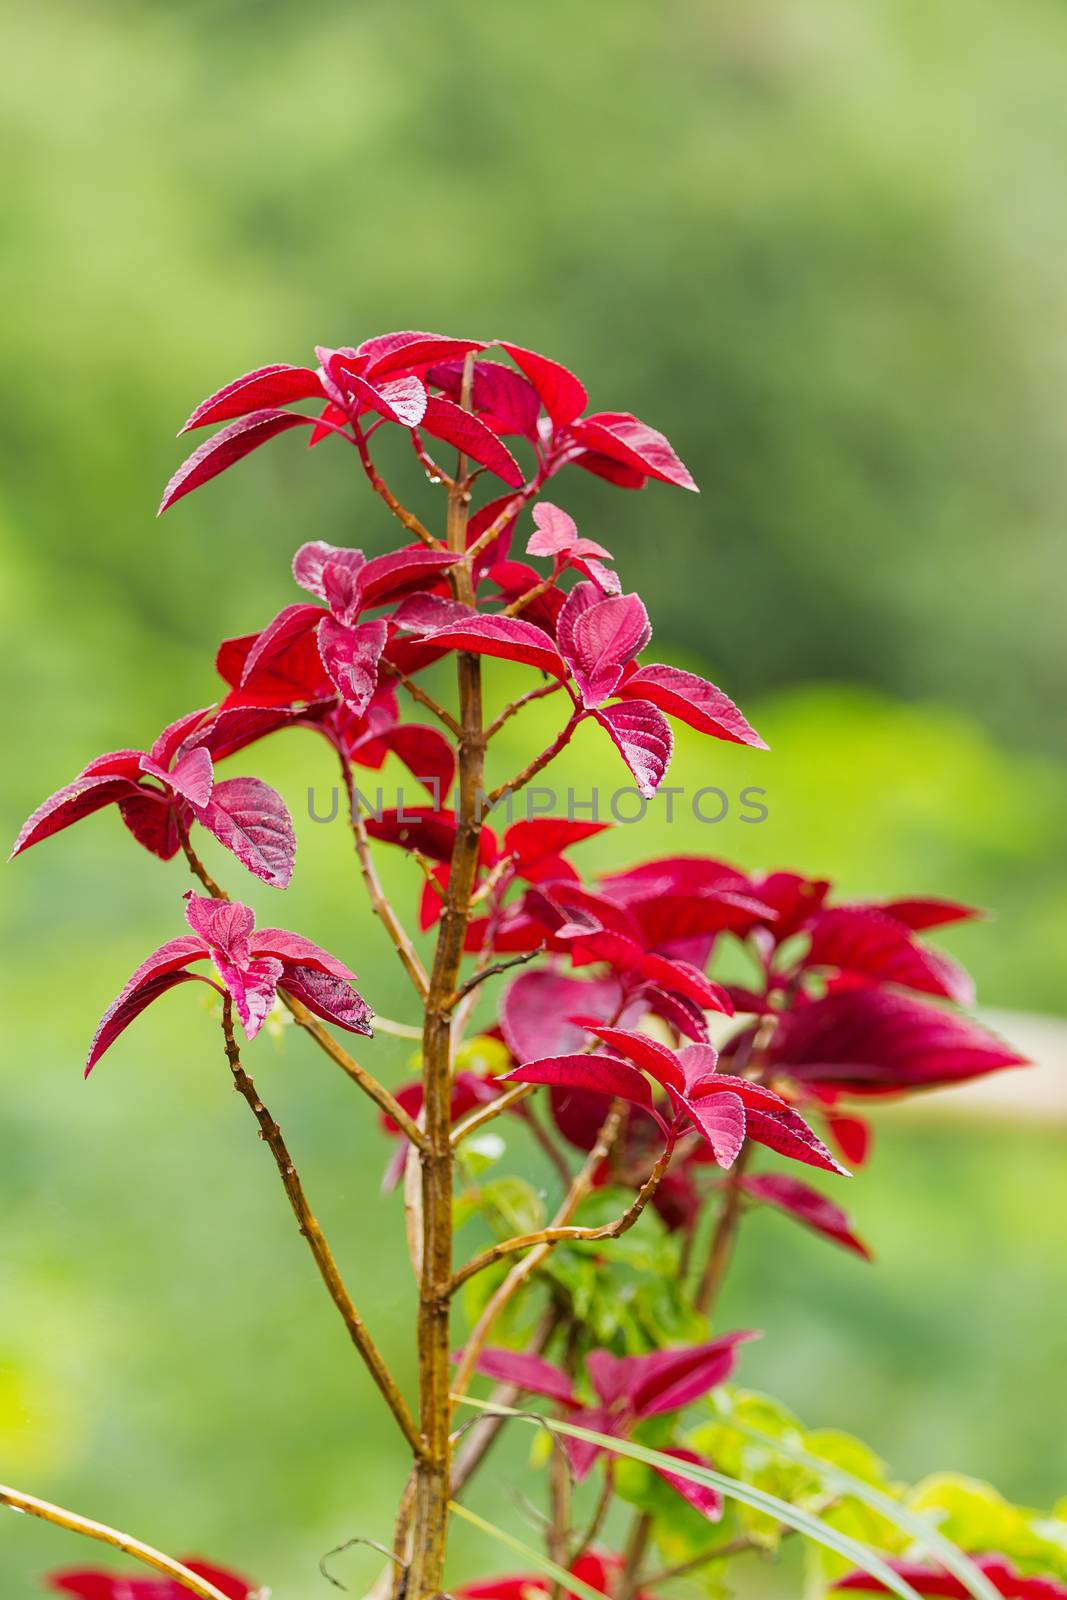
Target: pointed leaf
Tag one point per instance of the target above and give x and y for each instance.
(69, 805)
(312, 558)
(720, 1118)
(867, 942)
(643, 738)
(562, 394)
(470, 436)
(807, 1205)
(693, 701)
(294, 949)
(647, 1054)
(191, 777)
(605, 637)
(328, 997)
(625, 438)
(252, 821)
(287, 630)
(602, 1074)
(224, 449)
(163, 969)
(350, 656)
(509, 638)
(530, 1373)
(265, 388)
(701, 1496)
(399, 352)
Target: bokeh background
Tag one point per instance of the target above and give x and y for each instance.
(821, 245)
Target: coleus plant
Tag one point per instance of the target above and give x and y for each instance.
(609, 1026)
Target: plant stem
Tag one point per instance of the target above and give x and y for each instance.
(494, 1108)
(434, 1468)
(380, 903)
(149, 1557)
(380, 487)
(271, 1135)
(723, 1238)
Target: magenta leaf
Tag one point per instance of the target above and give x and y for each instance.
(425, 752)
(702, 1497)
(785, 1132)
(160, 972)
(170, 741)
(648, 1054)
(400, 352)
(329, 997)
(669, 1380)
(226, 925)
(531, 1373)
(227, 447)
(693, 701)
(934, 1581)
(350, 656)
(920, 914)
(628, 440)
(87, 1585)
(506, 401)
(398, 572)
(251, 820)
(600, 642)
(562, 395)
(150, 818)
(265, 388)
(537, 1006)
(284, 632)
(253, 988)
(403, 400)
(602, 1074)
(643, 738)
(191, 777)
(294, 949)
(720, 1118)
(69, 805)
(867, 942)
(509, 638)
(557, 533)
(806, 1205)
(869, 1041)
(471, 436)
(312, 559)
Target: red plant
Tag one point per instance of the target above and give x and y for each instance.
(848, 1000)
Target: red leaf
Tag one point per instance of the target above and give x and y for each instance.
(807, 1205)
(870, 1041)
(350, 656)
(251, 820)
(284, 633)
(918, 915)
(852, 1136)
(191, 777)
(934, 1581)
(602, 1074)
(160, 972)
(150, 818)
(399, 572)
(616, 472)
(430, 830)
(226, 448)
(537, 1006)
(535, 838)
(172, 738)
(68, 805)
(85, 1585)
(785, 1132)
(294, 675)
(526, 1372)
(294, 950)
(866, 942)
(510, 402)
(625, 438)
(470, 436)
(643, 738)
(312, 559)
(399, 352)
(330, 998)
(509, 638)
(693, 701)
(701, 1496)
(602, 639)
(425, 752)
(403, 400)
(562, 395)
(267, 387)
(721, 1120)
(647, 1054)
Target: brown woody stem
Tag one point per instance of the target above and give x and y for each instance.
(493, 971)
(380, 903)
(149, 1557)
(271, 1135)
(408, 518)
(420, 695)
(434, 1468)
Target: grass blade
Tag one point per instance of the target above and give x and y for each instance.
(811, 1527)
(571, 1585)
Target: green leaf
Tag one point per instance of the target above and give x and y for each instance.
(571, 1584)
(919, 1528)
(811, 1527)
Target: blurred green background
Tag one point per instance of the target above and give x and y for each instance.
(820, 244)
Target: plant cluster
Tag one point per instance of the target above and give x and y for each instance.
(650, 1080)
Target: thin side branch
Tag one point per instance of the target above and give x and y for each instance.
(551, 687)
(408, 518)
(320, 1250)
(149, 1557)
(492, 971)
(529, 596)
(566, 1235)
(380, 902)
(420, 695)
(538, 764)
(494, 1108)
